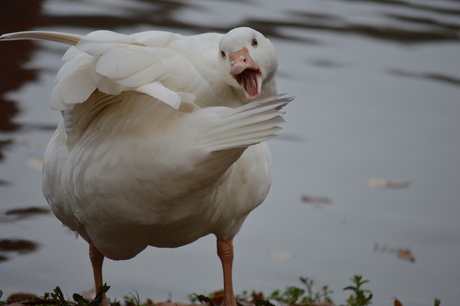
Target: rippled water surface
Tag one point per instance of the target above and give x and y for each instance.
(367, 167)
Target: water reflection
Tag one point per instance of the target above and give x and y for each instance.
(438, 6)
(9, 247)
(23, 213)
(15, 16)
(426, 76)
(17, 246)
(324, 40)
(334, 23)
(397, 21)
(9, 126)
(154, 13)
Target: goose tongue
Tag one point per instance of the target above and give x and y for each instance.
(249, 82)
(245, 71)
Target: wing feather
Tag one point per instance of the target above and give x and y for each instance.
(157, 39)
(119, 62)
(158, 91)
(246, 125)
(74, 83)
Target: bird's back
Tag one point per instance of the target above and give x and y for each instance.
(154, 148)
(142, 173)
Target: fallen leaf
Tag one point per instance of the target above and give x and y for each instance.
(257, 296)
(406, 254)
(323, 303)
(21, 296)
(397, 302)
(215, 299)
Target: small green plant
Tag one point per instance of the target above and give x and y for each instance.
(289, 296)
(192, 298)
(262, 303)
(134, 299)
(81, 301)
(312, 296)
(58, 296)
(243, 296)
(293, 295)
(359, 297)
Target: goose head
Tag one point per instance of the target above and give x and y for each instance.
(247, 61)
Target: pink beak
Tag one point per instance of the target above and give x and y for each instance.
(246, 73)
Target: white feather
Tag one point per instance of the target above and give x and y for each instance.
(158, 91)
(74, 83)
(158, 144)
(69, 39)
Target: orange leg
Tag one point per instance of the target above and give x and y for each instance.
(225, 252)
(97, 259)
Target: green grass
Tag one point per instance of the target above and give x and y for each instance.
(306, 295)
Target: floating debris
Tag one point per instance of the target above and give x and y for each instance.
(396, 302)
(405, 254)
(35, 162)
(281, 255)
(387, 183)
(318, 202)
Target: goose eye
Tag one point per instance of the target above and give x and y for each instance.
(222, 53)
(254, 42)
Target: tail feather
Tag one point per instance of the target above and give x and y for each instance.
(69, 39)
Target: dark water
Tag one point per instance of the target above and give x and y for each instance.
(367, 167)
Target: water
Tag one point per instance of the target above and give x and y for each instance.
(378, 96)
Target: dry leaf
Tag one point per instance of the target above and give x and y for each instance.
(397, 302)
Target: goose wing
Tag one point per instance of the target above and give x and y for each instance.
(169, 67)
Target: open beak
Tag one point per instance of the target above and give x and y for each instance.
(246, 73)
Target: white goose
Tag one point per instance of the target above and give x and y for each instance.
(159, 143)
